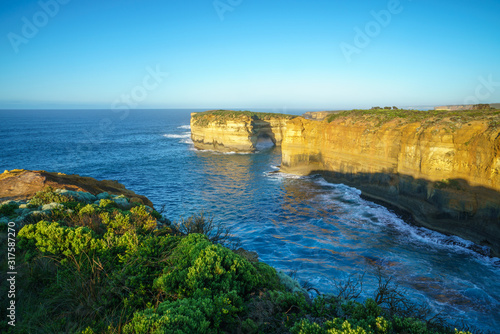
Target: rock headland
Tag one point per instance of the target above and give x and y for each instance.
(21, 184)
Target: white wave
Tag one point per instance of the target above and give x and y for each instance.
(230, 153)
(408, 232)
(282, 175)
(217, 152)
(186, 141)
(184, 127)
(178, 136)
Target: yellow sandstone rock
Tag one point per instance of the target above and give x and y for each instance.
(215, 130)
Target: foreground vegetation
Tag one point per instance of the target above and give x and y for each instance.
(221, 116)
(104, 265)
(382, 116)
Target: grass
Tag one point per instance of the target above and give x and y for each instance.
(383, 116)
(221, 116)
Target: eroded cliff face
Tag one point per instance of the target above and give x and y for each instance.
(237, 132)
(445, 172)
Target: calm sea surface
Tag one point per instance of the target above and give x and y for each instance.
(323, 231)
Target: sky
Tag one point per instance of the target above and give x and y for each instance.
(248, 54)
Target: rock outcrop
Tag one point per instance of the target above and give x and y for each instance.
(236, 131)
(20, 184)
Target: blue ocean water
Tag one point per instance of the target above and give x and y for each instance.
(325, 232)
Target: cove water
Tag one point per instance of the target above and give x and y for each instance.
(323, 231)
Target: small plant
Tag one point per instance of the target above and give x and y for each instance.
(204, 224)
(8, 209)
(349, 289)
(47, 196)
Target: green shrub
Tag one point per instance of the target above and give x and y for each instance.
(47, 196)
(340, 326)
(143, 219)
(8, 209)
(197, 264)
(107, 204)
(183, 316)
(88, 209)
(58, 240)
(307, 327)
(410, 325)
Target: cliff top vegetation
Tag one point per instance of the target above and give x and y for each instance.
(382, 116)
(221, 116)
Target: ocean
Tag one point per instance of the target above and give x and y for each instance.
(322, 232)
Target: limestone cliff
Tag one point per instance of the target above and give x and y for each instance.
(236, 131)
(443, 170)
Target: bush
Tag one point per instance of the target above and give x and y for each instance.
(198, 265)
(186, 316)
(8, 209)
(202, 224)
(58, 240)
(47, 196)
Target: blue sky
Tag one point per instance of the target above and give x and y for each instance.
(248, 53)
